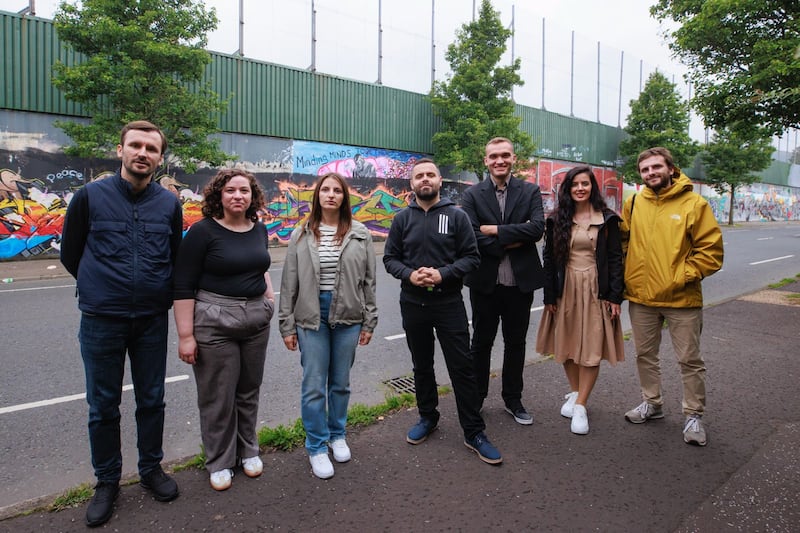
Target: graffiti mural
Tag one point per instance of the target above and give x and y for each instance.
(758, 203)
(37, 186)
(549, 173)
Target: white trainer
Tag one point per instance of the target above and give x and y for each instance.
(321, 465)
(221, 479)
(566, 409)
(341, 451)
(252, 466)
(580, 420)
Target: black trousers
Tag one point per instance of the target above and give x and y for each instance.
(513, 307)
(449, 320)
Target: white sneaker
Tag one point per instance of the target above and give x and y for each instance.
(321, 466)
(580, 420)
(341, 451)
(694, 432)
(252, 466)
(221, 479)
(566, 409)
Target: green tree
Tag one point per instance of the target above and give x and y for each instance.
(659, 117)
(732, 159)
(744, 59)
(475, 103)
(144, 60)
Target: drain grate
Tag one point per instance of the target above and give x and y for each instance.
(401, 385)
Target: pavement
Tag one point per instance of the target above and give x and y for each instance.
(619, 477)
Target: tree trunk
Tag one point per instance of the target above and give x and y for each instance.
(730, 211)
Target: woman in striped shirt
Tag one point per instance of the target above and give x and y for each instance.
(327, 308)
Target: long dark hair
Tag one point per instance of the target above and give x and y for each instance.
(212, 194)
(345, 215)
(565, 210)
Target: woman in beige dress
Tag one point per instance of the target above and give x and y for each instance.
(583, 290)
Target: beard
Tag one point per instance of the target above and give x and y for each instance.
(137, 174)
(662, 184)
(428, 195)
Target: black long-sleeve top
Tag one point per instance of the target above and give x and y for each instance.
(216, 259)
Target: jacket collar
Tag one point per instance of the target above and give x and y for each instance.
(513, 188)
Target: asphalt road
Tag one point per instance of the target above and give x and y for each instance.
(44, 448)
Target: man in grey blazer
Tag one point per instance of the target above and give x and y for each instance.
(508, 219)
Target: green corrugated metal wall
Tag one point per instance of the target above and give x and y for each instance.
(277, 101)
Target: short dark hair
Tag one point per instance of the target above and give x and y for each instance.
(421, 162)
(142, 125)
(212, 194)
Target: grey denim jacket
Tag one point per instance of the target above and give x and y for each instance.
(353, 299)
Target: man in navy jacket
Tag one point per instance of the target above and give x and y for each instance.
(120, 239)
(508, 219)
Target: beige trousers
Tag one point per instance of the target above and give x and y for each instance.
(685, 326)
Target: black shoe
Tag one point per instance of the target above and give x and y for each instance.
(102, 505)
(162, 486)
(520, 415)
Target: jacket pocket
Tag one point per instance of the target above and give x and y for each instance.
(156, 238)
(109, 238)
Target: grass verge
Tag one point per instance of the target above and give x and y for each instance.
(280, 438)
(783, 282)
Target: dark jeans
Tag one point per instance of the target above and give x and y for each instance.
(514, 308)
(449, 319)
(104, 342)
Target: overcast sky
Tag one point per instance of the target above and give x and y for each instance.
(279, 31)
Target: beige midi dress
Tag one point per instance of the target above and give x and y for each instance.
(582, 329)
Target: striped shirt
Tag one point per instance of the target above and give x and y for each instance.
(328, 257)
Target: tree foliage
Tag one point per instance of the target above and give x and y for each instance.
(731, 160)
(744, 59)
(658, 117)
(144, 60)
(475, 103)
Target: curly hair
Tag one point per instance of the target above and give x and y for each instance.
(565, 210)
(345, 214)
(212, 194)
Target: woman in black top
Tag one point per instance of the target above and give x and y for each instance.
(223, 305)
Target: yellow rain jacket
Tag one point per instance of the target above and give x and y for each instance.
(671, 242)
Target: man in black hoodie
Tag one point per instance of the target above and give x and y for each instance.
(430, 248)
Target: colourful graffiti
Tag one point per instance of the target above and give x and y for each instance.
(353, 162)
(549, 174)
(292, 206)
(758, 203)
(32, 216)
(32, 209)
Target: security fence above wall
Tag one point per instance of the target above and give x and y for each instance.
(278, 101)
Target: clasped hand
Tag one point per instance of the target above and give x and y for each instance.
(426, 277)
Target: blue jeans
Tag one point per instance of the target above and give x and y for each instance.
(104, 342)
(327, 356)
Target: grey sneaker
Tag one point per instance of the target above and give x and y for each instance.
(644, 412)
(694, 432)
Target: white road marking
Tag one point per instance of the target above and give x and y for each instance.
(72, 398)
(771, 260)
(765, 238)
(39, 288)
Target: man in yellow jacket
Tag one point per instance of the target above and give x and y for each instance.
(672, 241)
